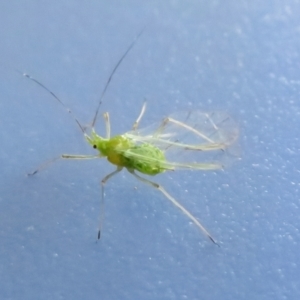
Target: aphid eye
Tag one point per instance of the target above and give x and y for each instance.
(95, 147)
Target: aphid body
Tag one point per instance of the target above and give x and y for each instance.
(159, 147)
(123, 152)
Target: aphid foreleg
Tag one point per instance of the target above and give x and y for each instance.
(63, 156)
(107, 124)
(44, 166)
(138, 120)
(175, 202)
(103, 181)
(71, 156)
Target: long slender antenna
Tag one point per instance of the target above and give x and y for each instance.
(53, 95)
(111, 75)
(102, 95)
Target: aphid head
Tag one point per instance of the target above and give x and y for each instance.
(97, 142)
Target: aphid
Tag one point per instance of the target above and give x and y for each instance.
(179, 141)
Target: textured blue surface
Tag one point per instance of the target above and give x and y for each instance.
(237, 56)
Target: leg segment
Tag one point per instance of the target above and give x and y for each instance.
(138, 120)
(103, 181)
(71, 156)
(176, 203)
(107, 124)
(63, 156)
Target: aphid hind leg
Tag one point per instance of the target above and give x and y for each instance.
(103, 181)
(168, 120)
(195, 131)
(138, 120)
(175, 202)
(161, 127)
(63, 156)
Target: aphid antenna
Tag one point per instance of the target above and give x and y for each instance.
(83, 129)
(112, 74)
(54, 96)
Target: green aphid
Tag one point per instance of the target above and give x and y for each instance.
(190, 140)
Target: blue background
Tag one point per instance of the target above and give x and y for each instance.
(237, 56)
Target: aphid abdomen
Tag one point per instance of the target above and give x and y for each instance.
(146, 159)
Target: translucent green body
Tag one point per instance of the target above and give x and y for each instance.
(158, 147)
(123, 152)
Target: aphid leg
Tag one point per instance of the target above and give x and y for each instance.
(103, 181)
(161, 127)
(107, 124)
(189, 128)
(44, 166)
(185, 126)
(71, 156)
(63, 156)
(175, 202)
(138, 120)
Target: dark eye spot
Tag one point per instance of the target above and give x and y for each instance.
(95, 147)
